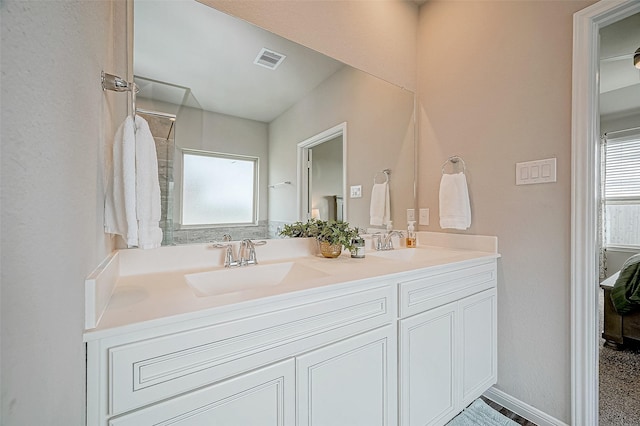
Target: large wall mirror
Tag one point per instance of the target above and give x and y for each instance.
(234, 108)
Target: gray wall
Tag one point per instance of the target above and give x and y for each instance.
(380, 135)
(494, 82)
(56, 122)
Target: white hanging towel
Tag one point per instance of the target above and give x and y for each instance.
(120, 201)
(380, 209)
(147, 188)
(132, 203)
(455, 210)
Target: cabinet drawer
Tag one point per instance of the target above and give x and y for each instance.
(434, 290)
(150, 370)
(264, 397)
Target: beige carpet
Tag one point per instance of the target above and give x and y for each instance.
(619, 384)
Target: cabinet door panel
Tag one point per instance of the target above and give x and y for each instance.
(264, 397)
(428, 367)
(478, 344)
(351, 382)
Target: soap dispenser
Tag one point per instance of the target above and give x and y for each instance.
(411, 234)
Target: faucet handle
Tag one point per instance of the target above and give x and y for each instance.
(229, 255)
(248, 251)
(377, 240)
(226, 238)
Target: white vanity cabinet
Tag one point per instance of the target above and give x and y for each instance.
(241, 367)
(413, 347)
(447, 343)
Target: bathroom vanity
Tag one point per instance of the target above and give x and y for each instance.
(403, 337)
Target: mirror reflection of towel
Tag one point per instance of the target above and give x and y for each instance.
(455, 210)
(147, 187)
(380, 210)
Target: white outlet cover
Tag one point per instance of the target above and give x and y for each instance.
(424, 217)
(356, 191)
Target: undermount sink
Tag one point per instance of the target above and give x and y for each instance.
(233, 280)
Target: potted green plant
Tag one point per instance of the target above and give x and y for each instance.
(332, 235)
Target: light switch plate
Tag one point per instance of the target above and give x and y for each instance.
(424, 217)
(538, 171)
(411, 214)
(356, 191)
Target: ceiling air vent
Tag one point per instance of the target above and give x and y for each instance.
(269, 59)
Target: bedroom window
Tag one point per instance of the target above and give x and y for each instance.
(218, 189)
(622, 191)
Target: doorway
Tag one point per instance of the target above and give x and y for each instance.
(584, 204)
(322, 175)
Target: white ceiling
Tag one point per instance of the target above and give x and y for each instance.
(619, 79)
(185, 43)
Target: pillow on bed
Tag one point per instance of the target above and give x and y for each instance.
(625, 294)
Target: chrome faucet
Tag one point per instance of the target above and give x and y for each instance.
(247, 253)
(229, 256)
(385, 242)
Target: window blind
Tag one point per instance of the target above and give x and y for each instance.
(622, 192)
(622, 169)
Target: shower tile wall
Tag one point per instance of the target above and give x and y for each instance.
(207, 235)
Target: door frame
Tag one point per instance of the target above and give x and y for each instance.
(303, 173)
(585, 178)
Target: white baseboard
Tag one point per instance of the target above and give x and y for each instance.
(522, 409)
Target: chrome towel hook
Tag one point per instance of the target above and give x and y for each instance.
(117, 84)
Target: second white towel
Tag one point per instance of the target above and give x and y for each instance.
(380, 209)
(455, 209)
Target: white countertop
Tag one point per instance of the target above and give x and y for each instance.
(147, 288)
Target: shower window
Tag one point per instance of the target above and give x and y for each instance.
(218, 189)
(622, 191)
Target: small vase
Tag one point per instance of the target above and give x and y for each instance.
(330, 250)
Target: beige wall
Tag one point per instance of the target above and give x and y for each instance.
(378, 36)
(494, 84)
(56, 122)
